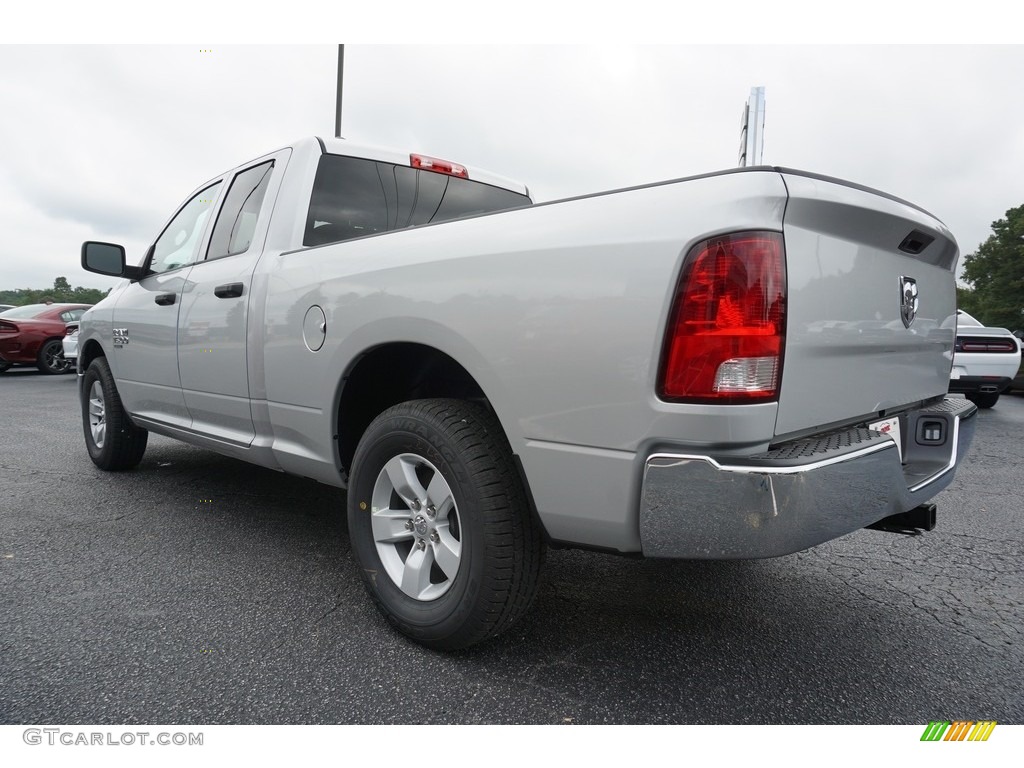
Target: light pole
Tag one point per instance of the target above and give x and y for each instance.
(752, 129)
(337, 108)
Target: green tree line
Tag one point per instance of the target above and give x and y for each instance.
(60, 292)
(995, 273)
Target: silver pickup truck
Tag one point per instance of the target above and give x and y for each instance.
(737, 365)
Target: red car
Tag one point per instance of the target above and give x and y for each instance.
(33, 334)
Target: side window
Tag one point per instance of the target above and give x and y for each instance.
(236, 222)
(178, 245)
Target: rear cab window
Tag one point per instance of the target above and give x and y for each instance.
(354, 197)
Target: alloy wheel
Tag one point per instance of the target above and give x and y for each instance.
(415, 523)
(97, 414)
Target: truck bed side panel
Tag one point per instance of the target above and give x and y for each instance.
(557, 311)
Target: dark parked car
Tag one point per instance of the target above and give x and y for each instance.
(33, 335)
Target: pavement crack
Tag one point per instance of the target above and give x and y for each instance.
(297, 623)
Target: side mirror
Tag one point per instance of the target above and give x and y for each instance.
(107, 259)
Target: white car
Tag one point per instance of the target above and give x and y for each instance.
(70, 343)
(985, 360)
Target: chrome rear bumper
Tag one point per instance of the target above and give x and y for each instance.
(801, 494)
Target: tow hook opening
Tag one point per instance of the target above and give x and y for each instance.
(911, 523)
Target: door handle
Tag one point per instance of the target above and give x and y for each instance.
(165, 299)
(229, 291)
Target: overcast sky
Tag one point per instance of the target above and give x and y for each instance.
(104, 142)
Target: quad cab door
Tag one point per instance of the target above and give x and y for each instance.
(145, 319)
(215, 308)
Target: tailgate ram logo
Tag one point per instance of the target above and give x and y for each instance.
(908, 300)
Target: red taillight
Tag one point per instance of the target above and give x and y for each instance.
(438, 166)
(989, 346)
(6, 327)
(725, 336)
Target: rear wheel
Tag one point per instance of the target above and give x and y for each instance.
(439, 523)
(113, 441)
(984, 399)
(51, 358)
(4, 365)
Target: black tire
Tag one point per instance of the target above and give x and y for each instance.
(983, 399)
(51, 358)
(4, 366)
(114, 443)
(478, 507)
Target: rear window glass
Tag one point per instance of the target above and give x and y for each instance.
(962, 318)
(353, 197)
(27, 311)
(35, 310)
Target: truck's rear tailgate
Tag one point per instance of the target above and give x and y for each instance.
(849, 354)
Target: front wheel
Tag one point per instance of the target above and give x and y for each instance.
(440, 525)
(983, 399)
(51, 358)
(112, 440)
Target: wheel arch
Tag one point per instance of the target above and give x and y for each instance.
(41, 348)
(392, 373)
(88, 352)
(46, 340)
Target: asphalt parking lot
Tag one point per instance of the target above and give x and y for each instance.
(199, 589)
